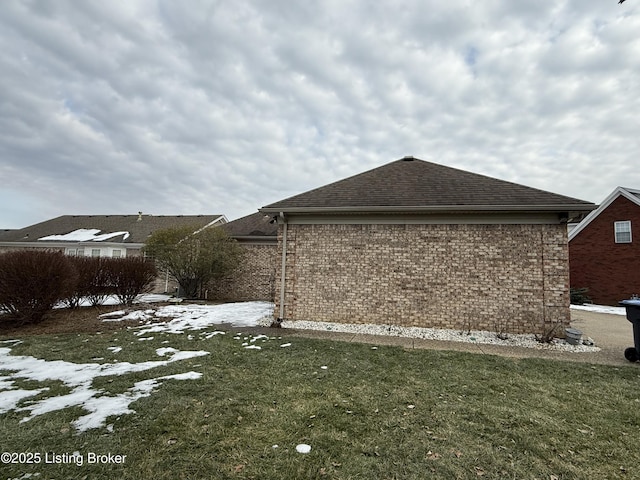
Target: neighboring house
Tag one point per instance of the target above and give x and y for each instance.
(604, 249)
(254, 279)
(414, 243)
(115, 236)
(99, 235)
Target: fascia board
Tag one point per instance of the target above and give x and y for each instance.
(437, 208)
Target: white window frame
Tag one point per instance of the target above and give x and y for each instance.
(72, 252)
(93, 252)
(622, 228)
(113, 253)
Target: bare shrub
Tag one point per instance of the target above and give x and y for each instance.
(32, 282)
(129, 277)
(501, 324)
(548, 332)
(93, 281)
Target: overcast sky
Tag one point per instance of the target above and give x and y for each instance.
(206, 107)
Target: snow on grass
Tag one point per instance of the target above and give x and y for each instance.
(179, 318)
(79, 378)
(303, 448)
(100, 408)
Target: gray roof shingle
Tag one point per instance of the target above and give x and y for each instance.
(139, 230)
(416, 185)
(254, 225)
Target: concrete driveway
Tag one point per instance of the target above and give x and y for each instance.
(608, 331)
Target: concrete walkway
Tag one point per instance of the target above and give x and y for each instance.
(612, 333)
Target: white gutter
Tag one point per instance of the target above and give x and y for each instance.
(437, 208)
(284, 264)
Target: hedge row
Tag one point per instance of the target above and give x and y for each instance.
(32, 282)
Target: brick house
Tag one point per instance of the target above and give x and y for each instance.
(414, 243)
(99, 235)
(102, 235)
(255, 277)
(604, 249)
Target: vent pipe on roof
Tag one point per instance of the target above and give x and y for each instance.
(139, 216)
(408, 158)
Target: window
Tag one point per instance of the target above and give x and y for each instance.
(623, 231)
(72, 252)
(95, 252)
(116, 253)
(81, 252)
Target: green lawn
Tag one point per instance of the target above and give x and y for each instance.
(373, 413)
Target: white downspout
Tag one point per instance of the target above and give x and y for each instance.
(284, 264)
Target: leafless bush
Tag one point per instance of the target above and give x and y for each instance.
(32, 282)
(93, 281)
(129, 277)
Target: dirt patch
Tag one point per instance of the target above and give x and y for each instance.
(63, 320)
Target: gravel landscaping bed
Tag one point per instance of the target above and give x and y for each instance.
(476, 336)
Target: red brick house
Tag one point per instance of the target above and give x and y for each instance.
(414, 243)
(604, 249)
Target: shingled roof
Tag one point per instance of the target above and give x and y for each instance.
(254, 225)
(413, 185)
(128, 229)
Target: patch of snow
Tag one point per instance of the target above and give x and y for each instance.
(117, 313)
(161, 352)
(86, 235)
(209, 335)
(113, 300)
(10, 398)
(100, 408)
(600, 309)
(253, 347)
(199, 317)
(115, 349)
(79, 378)
(285, 345)
(303, 448)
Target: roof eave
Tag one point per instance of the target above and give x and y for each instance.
(433, 209)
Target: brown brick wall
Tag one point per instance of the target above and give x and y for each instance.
(253, 280)
(611, 271)
(512, 277)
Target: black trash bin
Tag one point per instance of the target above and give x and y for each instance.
(633, 315)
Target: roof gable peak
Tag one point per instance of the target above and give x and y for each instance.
(631, 194)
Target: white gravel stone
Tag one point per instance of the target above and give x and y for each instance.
(476, 336)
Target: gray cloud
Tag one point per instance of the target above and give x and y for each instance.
(222, 107)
